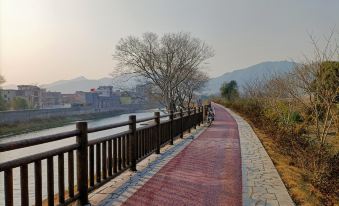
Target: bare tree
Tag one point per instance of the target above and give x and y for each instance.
(166, 62)
(315, 85)
(189, 87)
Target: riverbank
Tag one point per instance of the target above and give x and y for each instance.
(40, 124)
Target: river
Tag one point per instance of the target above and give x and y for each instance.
(10, 155)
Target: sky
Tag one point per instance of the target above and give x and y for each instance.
(42, 41)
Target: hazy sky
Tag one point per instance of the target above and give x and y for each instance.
(42, 41)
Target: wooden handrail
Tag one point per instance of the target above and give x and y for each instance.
(98, 160)
(110, 126)
(36, 141)
(145, 119)
(146, 127)
(36, 157)
(110, 137)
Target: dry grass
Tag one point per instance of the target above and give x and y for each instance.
(301, 191)
(333, 139)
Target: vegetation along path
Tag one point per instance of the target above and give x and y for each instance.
(209, 170)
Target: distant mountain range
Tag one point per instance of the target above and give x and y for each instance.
(241, 76)
(77, 84)
(83, 84)
(258, 71)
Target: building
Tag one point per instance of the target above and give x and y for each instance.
(90, 99)
(69, 99)
(8, 94)
(125, 98)
(51, 100)
(106, 97)
(33, 95)
(105, 91)
(117, 93)
(109, 102)
(142, 93)
(77, 98)
(143, 89)
(37, 98)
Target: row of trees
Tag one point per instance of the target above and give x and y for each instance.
(230, 90)
(16, 103)
(171, 64)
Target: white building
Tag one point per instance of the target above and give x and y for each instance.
(105, 91)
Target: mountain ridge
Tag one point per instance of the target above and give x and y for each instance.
(250, 73)
(242, 76)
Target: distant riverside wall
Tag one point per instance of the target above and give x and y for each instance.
(9, 117)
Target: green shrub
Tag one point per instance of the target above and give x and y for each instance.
(296, 117)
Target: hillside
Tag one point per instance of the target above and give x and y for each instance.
(84, 84)
(77, 84)
(249, 74)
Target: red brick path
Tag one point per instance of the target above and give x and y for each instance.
(206, 172)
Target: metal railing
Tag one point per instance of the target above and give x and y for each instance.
(96, 161)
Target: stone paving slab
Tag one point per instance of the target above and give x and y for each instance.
(261, 183)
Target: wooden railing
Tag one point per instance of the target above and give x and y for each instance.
(98, 160)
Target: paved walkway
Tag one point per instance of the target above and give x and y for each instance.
(206, 169)
(206, 172)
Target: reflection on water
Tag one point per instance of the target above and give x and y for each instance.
(10, 155)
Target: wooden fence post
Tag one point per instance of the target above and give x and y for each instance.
(8, 187)
(133, 141)
(157, 129)
(82, 162)
(195, 118)
(181, 124)
(199, 115)
(171, 127)
(203, 113)
(189, 120)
